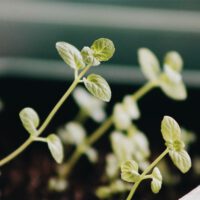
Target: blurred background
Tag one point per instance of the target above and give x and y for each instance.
(32, 73)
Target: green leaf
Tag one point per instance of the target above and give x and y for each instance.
(55, 147)
(173, 59)
(129, 171)
(98, 86)
(173, 89)
(170, 129)
(30, 120)
(88, 57)
(181, 160)
(156, 182)
(149, 63)
(103, 49)
(70, 54)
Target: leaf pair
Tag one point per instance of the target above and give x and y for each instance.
(30, 121)
(101, 50)
(129, 173)
(171, 133)
(170, 80)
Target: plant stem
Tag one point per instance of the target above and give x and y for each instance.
(143, 90)
(21, 148)
(147, 170)
(16, 152)
(66, 169)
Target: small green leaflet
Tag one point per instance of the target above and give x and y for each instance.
(171, 133)
(170, 129)
(55, 147)
(98, 86)
(173, 89)
(30, 120)
(71, 55)
(129, 171)
(103, 49)
(173, 59)
(156, 182)
(181, 160)
(149, 63)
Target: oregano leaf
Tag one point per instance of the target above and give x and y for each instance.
(98, 86)
(88, 57)
(156, 182)
(173, 59)
(71, 55)
(173, 89)
(181, 160)
(55, 147)
(30, 120)
(103, 49)
(129, 171)
(170, 129)
(149, 63)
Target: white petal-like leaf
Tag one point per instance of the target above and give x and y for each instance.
(103, 49)
(131, 107)
(72, 133)
(98, 86)
(112, 166)
(121, 118)
(174, 60)
(156, 182)
(181, 160)
(173, 89)
(71, 55)
(55, 147)
(129, 171)
(88, 57)
(170, 129)
(149, 63)
(30, 120)
(92, 154)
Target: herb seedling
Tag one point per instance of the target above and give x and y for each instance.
(101, 50)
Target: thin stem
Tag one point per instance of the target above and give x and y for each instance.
(21, 148)
(147, 170)
(101, 130)
(81, 117)
(143, 90)
(17, 151)
(40, 139)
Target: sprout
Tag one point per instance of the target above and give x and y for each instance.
(170, 80)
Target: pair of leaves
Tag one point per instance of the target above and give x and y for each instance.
(171, 133)
(30, 121)
(101, 50)
(124, 113)
(129, 173)
(170, 81)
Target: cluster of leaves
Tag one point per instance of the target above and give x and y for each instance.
(101, 50)
(130, 146)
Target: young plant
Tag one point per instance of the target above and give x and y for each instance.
(80, 61)
(125, 112)
(175, 147)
